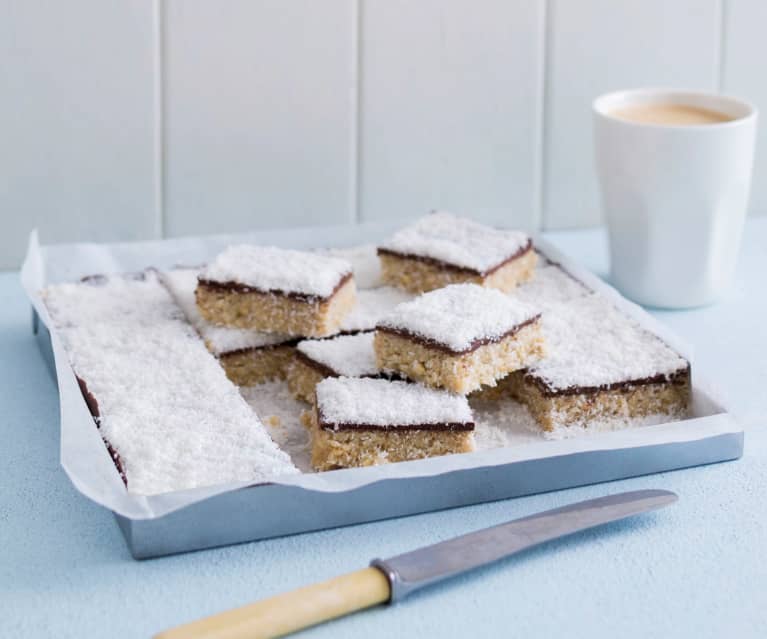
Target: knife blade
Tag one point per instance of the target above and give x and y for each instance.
(389, 580)
(420, 568)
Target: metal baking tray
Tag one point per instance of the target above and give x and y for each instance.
(271, 510)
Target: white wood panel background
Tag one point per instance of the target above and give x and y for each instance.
(142, 118)
(450, 108)
(259, 113)
(77, 127)
(596, 46)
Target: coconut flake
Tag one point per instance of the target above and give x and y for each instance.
(459, 315)
(165, 405)
(592, 344)
(380, 402)
(345, 355)
(268, 268)
(458, 241)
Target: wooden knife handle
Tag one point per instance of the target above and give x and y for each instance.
(291, 611)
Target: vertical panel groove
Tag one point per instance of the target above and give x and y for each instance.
(595, 47)
(159, 115)
(543, 119)
(722, 44)
(356, 134)
(450, 113)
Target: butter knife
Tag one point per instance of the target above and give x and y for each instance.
(390, 580)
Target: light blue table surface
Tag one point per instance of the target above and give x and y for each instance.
(697, 569)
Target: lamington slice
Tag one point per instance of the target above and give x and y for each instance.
(364, 422)
(276, 290)
(460, 338)
(249, 357)
(342, 356)
(164, 407)
(602, 370)
(442, 249)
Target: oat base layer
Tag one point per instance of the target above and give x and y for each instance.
(462, 373)
(353, 448)
(417, 276)
(276, 313)
(580, 410)
(302, 379)
(256, 366)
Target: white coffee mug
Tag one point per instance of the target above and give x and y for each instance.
(674, 196)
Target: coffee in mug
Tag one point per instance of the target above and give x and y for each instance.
(670, 114)
(674, 169)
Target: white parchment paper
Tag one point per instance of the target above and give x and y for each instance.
(89, 466)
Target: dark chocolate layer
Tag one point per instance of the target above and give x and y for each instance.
(430, 343)
(680, 378)
(237, 287)
(93, 407)
(326, 371)
(255, 349)
(447, 427)
(90, 400)
(455, 267)
(321, 368)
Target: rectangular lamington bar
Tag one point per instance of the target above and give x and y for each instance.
(164, 407)
(460, 337)
(363, 422)
(249, 357)
(342, 356)
(603, 370)
(442, 249)
(276, 290)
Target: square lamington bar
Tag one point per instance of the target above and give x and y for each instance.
(364, 422)
(442, 249)
(460, 337)
(603, 370)
(249, 357)
(342, 356)
(276, 290)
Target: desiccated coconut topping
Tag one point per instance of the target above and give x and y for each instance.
(384, 403)
(459, 316)
(458, 241)
(267, 268)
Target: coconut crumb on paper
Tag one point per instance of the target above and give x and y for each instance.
(503, 423)
(281, 414)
